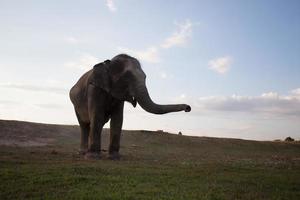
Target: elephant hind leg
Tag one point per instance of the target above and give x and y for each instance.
(84, 135)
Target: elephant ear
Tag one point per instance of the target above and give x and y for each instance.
(100, 76)
(120, 79)
(120, 88)
(114, 78)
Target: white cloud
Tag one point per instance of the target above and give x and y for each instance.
(111, 5)
(45, 113)
(50, 105)
(35, 88)
(267, 103)
(180, 36)
(163, 75)
(85, 62)
(71, 40)
(270, 95)
(296, 93)
(7, 102)
(182, 96)
(149, 55)
(220, 65)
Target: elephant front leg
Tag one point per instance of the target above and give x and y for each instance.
(94, 146)
(116, 123)
(96, 112)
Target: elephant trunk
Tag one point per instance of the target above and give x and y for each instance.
(144, 100)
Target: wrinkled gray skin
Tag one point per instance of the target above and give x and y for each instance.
(99, 95)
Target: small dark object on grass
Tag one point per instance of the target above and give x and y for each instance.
(54, 152)
(179, 133)
(289, 139)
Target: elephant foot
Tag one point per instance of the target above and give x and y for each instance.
(114, 156)
(92, 156)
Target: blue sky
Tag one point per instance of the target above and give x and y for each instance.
(236, 62)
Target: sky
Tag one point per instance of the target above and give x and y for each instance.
(237, 63)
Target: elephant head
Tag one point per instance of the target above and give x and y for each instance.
(125, 80)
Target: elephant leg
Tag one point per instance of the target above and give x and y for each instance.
(116, 123)
(94, 146)
(84, 134)
(96, 109)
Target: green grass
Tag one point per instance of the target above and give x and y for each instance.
(154, 166)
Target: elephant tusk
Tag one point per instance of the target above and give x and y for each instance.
(133, 102)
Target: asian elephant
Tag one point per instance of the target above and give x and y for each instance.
(99, 95)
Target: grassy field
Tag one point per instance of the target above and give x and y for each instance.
(39, 161)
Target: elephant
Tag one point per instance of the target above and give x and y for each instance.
(99, 96)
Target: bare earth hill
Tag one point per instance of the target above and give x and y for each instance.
(40, 161)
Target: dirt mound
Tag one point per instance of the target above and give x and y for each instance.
(18, 133)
